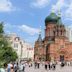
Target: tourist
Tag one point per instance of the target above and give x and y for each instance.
(35, 64)
(46, 65)
(38, 64)
(12, 69)
(9, 67)
(22, 67)
(62, 64)
(53, 66)
(5, 67)
(15, 67)
(49, 66)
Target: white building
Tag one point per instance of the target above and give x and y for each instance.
(69, 32)
(23, 49)
(27, 51)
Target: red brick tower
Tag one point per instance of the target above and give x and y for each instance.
(55, 45)
(38, 48)
(54, 29)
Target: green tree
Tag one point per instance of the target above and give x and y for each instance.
(1, 27)
(7, 54)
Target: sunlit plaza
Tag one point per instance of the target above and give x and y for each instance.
(35, 35)
(42, 69)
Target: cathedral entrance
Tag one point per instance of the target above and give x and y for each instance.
(61, 58)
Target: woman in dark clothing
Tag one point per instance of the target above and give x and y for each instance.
(46, 66)
(54, 66)
(38, 65)
(49, 66)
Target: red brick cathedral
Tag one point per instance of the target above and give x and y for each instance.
(55, 45)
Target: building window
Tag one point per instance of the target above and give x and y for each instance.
(15, 45)
(61, 32)
(62, 46)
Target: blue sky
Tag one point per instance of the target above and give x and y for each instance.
(24, 17)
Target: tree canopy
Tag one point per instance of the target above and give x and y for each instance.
(7, 54)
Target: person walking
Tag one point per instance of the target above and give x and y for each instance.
(53, 66)
(12, 69)
(45, 65)
(22, 68)
(5, 67)
(35, 64)
(49, 66)
(15, 67)
(38, 64)
(9, 67)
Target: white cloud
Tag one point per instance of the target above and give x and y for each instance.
(40, 3)
(68, 12)
(7, 31)
(20, 28)
(6, 6)
(29, 30)
(65, 6)
(59, 5)
(9, 25)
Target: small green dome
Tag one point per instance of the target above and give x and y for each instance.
(51, 18)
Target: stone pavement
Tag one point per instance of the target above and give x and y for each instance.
(41, 69)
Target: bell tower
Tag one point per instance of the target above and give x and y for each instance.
(60, 28)
(54, 26)
(50, 23)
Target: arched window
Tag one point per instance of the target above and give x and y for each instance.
(15, 45)
(57, 32)
(61, 32)
(54, 33)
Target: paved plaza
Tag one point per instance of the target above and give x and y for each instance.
(42, 69)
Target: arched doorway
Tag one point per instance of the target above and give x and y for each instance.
(61, 58)
(63, 54)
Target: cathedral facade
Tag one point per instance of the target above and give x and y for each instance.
(55, 45)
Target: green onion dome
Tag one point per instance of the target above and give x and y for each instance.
(51, 18)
